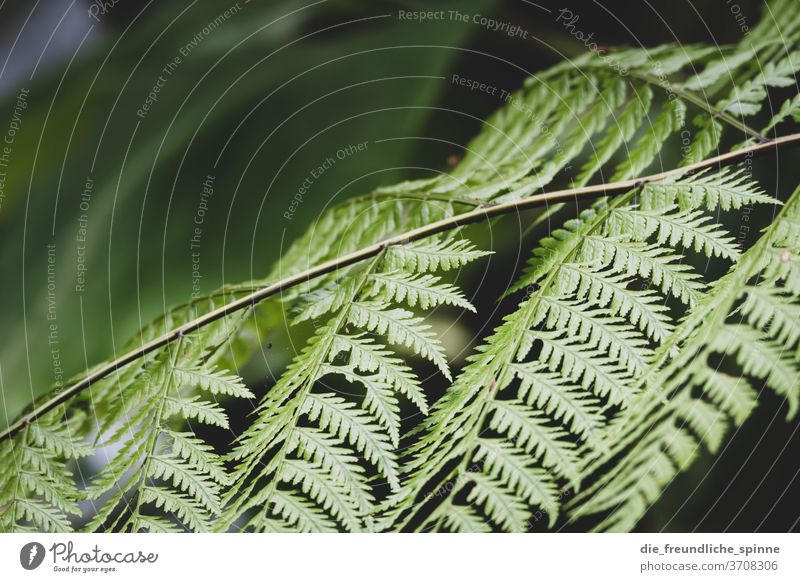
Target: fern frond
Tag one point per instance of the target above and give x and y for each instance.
(401, 328)
(424, 290)
(651, 262)
(531, 432)
(592, 280)
(162, 468)
(299, 513)
(719, 68)
(548, 391)
(728, 189)
(597, 374)
(213, 381)
(464, 519)
(627, 124)
(647, 148)
(650, 436)
(762, 359)
(36, 484)
(195, 408)
(341, 418)
(731, 394)
(366, 355)
(597, 328)
(588, 367)
(367, 300)
(749, 98)
(771, 309)
(663, 453)
(690, 229)
(319, 447)
(612, 291)
(790, 109)
(514, 468)
(324, 491)
(380, 400)
(434, 254)
(499, 503)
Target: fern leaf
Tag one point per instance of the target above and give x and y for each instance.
(184, 507)
(213, 381)
(651, 436)
(36, 488)
(325, 492)
(301, 513)
(727, 188)
(531, 432)
(185, 477)
(750, 96)
(502, 507)
(343, 419)
(196, 409)
(772, 311)
(154, 457)
(706, 421)
(435, 254)
(600, 376)
(650, 262)
(513, 467)
(669, 120)
(424, 290)
(605, 289)
(401, 328)
(317, 446)
(690, 229)
(197, 453)
(733, 395)
(380, 399)
(548, 391)
(587, 367)
(368, 356)
(718, 69)
(597, 329)
(762, 359)
(464, 519)
(627, 124)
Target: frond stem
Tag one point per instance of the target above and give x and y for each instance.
(473, 216)
(701, 103)
(152, 441)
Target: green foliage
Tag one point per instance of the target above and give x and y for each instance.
(368, 311)
(38, 492)
(696, 402)
(598, 385)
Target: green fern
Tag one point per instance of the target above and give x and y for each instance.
(38, 491)
(596, 385)
(591, 331)
(159, 466)
(360, 317)
(663, 435)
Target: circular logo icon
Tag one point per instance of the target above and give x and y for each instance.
(31, 555)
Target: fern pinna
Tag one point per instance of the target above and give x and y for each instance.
(319, 434)
(599, 386)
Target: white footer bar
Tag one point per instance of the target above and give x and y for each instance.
(400, 557)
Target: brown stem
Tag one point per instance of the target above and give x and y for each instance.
(477, 215)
